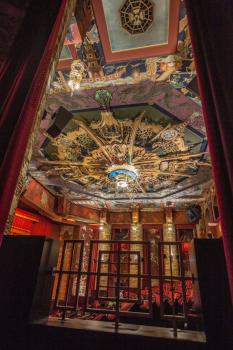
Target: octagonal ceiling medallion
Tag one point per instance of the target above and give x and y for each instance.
(119, 22)
(136, 15)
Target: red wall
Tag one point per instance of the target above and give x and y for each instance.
(40, 197)
(26, 223)
(45, 227)
(119, 217)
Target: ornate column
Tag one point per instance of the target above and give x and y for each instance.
(136, 234)
(104, 234)
(85, 233)
(169, 235)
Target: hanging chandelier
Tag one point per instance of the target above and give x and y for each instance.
(122, 175)
(76, 75)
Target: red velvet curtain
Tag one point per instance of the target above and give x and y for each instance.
(211, 29)
(23, 71)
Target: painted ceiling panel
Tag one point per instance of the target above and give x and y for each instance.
(162, 94)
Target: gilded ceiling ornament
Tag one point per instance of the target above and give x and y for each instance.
(136, 15)
(124, 157)
(60, 85)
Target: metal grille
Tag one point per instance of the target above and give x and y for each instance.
(67, 277)
(116, 278)
(174, 278)
(118, 274)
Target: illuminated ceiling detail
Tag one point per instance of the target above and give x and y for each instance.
(122, 158)
(148, 92)
(136, 15)
(76, 75)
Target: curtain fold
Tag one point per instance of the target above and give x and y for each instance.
(211, 30)
(22, 76)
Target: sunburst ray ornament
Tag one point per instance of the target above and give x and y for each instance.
(109, 156)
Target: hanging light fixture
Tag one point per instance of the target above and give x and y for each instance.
(122, 183)
(122, 175)
(76, 75)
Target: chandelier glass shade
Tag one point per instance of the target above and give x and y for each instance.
(122, 175)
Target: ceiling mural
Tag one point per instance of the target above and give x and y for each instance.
(176, 69)
(136, 134)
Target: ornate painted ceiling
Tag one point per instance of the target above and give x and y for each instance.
(136, 135)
